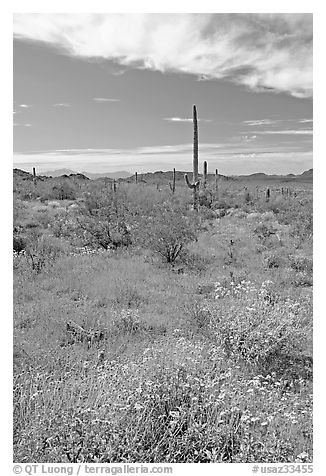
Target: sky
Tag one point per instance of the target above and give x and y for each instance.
(110, 92)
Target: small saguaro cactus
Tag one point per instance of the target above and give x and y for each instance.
(216, 180)
(34, 176)
(195, 185)
(205, 175)
(267, 194)
(172, 186)
(136, 177)
(114, 186)
(246, 195)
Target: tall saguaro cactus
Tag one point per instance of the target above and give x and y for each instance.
(136, 178)
(216, 180)
(195, 185)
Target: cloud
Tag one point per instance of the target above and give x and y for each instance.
(287, 132)
(24, 106)
(106, 99)
(22, 125)
(269, 122)
(61, 104)
(182, 119)
(261, 122)
(270, 52)
(249, 138)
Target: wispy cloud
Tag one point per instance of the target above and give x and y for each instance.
(249, 138)
(62, 104)
(22, 125)
(261, 122)
(287, 132)
(269, 122)
(106, 100)
(261, 51)
(24, 106)
(184, 119)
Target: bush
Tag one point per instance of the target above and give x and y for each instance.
(254, 325)
(166, 233)
(64, 191)
(19, 243)
(273, 261)
(301, 263)
(43, 251)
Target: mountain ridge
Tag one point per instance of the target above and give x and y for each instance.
(159, 176)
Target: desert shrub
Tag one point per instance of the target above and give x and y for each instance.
(264, 231)
(100, 232)
(193, 261)
(197, 314)
(301, 278)
(273, 261)
(205, 198)
(302, 227)
(206, 213)
(301, 263)
(275, 204)
(25, 190)
(166, 233)
(42, 251)
(100, 222)
(64, 191)
(19, 243)
(253, 324)
(302, 271)
(127, 321)
(222, 201)
(247, 198)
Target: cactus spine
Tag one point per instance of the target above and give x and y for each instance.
(195, 185)
(172, 187)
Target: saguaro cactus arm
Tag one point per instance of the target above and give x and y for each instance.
(191, 185)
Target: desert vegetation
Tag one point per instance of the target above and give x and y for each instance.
(155, 324)
(148, 331)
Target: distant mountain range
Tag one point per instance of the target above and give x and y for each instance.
(305, 176)
(91, 175)
(161, 177)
